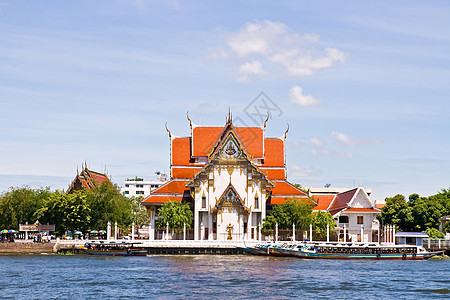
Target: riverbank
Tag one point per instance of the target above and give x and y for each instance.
(26, 248)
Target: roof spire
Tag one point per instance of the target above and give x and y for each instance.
(170, 134)
(265, 121)
(190, 121)
(285, 133)
(230, 116)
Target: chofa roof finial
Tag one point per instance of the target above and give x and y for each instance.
(168, 131)
(189, 119)
(265, 121)
(285, 133)
(230, 116)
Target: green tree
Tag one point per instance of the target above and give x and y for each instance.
(140, 215)
(66, 211)
(17, 206)
(447, 226)
(319, 221)
(293, 211)
(107, 204)
(397, 212)
(443, 197)
(433, 233)
(426, 213)
(176, 214)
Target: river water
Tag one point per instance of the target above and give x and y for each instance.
(218, 277)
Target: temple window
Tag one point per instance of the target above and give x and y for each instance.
(203, 202)
(343, 219)
(256, 202)
(359, 220)
(127, 192)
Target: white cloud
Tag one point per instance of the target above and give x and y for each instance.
(346, 140)
(342, 138)
(320, 149)
(316, 141)
(247, 69)
(276, 46)
(298, 171)
(297, 97)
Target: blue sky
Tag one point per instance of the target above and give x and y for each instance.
(364, 86)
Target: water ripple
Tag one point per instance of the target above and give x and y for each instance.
(217, 277)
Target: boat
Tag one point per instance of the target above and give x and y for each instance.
(349, 251)
(114, 248)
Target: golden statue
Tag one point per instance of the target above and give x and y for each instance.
(229, 228)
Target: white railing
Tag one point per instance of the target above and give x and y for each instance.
(436, 243)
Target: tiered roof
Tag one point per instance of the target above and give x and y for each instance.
(87, 179)
(189, 155)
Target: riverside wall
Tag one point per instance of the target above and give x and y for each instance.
(26, 248)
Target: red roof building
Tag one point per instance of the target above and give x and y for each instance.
(86, 179)
(230, 175)
(354, 213)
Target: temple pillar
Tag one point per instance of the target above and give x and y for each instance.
(210, 226)
(249, 226)
(196, 224)
(241, 227)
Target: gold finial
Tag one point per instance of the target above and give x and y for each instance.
(285, 133)
(230, 116)
(168, 131)
(267, 119)
(190, 121)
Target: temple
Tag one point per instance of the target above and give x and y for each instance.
(231, 176)
(86, 179)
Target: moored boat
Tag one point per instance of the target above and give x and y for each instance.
(350, 251)
(113, 249)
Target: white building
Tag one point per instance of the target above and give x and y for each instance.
(353, 211)
(230, 176)
(139, 187)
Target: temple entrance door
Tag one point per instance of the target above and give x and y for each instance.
(228, 225)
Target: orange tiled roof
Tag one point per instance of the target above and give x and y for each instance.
(99, 178)
(156, 199)
(204, 138)
(252, 137)
(323, 201)
(380, 205)
(173, 190)
(284, 188)
(184, 172)
(273, 152)
(273, 174)
(362, 209)
(181, 151)
(171, 187)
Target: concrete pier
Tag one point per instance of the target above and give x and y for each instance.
(168, 246)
